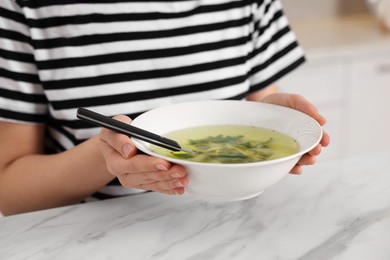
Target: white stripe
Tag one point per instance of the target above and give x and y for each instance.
(270, 32)
(23, 107)
(20, 86)
(148, 85)
(15, 46)
(144, 105)
(267, 17)
(10, 5)
(142, 65)
(144, 7)
(273, 48)
(136, 26)
(17, 66)
(221, 93)
(12, 25)
(81, 134)
(277, 66)
(139, 45)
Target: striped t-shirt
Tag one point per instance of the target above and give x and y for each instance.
(126, 57)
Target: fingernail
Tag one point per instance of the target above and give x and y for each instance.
(176, 175)
(323, 119)
(126, 150)
(161, 167)
(178, 184)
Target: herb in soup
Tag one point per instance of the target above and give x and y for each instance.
(230, 144)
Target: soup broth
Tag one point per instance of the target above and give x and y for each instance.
(230, 144)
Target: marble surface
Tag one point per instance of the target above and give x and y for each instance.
(336, 210)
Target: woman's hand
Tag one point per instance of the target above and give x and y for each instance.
(139, 170)
(300, 103)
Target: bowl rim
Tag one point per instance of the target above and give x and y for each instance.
(141, 144)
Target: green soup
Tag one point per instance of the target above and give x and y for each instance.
(230, 144)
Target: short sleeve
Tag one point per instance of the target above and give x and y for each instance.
(275, 50)
(21, 95)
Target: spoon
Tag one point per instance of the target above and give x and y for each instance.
(129, 130)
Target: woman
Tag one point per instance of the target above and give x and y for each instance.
(123, 58)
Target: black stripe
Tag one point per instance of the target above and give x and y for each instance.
(238, 97)
(50, 150)
(145, 95)
(279, 34)
(15, 36)
(274, 37)
(277, 76)
(18, 76)
(5, 13)
(23, 116)
(102, 196)
(125, 17)
(128, 36)
(46, 3)
(52, 146)
(80, 124)
(32, 98)
(140, 75)
(274, 58)
(114, 182)
(268, 6)
(139, 55)
(17, 56)
(56, 124)
(274, 18)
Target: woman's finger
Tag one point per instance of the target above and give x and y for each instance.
(134, 179)
(297, 169)
(120, 143)
(142, 163)
(325, 139)
(316, 150)
(175, 172)
(307, 159)
(164, 186)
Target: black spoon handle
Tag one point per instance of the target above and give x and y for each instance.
(129, 130)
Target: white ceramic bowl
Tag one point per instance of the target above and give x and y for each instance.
(228, 182)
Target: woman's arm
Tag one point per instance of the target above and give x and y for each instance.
(30, 180)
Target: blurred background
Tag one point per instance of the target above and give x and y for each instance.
(347, 73)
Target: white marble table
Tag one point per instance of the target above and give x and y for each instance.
(337, 210)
